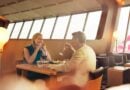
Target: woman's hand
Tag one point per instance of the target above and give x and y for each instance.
(39, 46)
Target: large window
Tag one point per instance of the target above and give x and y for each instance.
(76, 24)
(16, 30)
(60, 27)
(122, 30)
(25, 30)
(10, 27)
(92, 25)
(36, 27)
(127, 45)
(48, 26)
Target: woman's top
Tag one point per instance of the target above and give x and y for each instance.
(40, 54)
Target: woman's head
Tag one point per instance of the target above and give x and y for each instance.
(37, 39)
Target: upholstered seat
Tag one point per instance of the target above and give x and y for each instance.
(118, 75)
(95, 80)
(97, 73)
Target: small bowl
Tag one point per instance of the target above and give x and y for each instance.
(39, 63)
(45, 62)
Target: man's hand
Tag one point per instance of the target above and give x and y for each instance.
(69, 46)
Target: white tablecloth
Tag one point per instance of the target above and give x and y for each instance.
(120, 87)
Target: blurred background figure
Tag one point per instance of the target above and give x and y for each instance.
(19, 83)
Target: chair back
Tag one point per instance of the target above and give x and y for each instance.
(97, 73)
(95, 80)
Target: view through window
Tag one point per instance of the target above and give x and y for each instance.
(122, 43)
(60, 27)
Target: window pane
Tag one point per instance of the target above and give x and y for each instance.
(10, 27)
(121, 29)
(122, 25)
(25, 30)
(48, 26)
(16, 30)
(127, 47)
(36, 27)
(60, 27)
(92, 24)
(76, 24)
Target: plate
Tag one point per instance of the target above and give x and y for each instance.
(54, 62)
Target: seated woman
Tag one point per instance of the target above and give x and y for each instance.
(35, 52)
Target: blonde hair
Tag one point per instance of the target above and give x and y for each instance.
(35, 36)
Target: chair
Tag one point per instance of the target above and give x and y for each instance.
(119, 60)
(118, 75)
(128, 58)
(127, 64)
(93, 84)
(95, 80)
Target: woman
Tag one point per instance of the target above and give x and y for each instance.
(36, 51)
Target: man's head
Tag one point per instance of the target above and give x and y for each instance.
(80, 36)
(78, 39)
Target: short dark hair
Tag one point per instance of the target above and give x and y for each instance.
(80, 36)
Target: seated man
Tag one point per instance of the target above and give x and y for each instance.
(81, 63)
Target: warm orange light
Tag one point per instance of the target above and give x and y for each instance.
(115, 35)
(120, 2)
(4, 37)
(12, 82)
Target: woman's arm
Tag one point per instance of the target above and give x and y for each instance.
(47, 53)
(30, 58)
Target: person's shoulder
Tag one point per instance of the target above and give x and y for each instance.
(88, 47)
(28, 46)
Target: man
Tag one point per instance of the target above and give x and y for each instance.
(81, 63)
